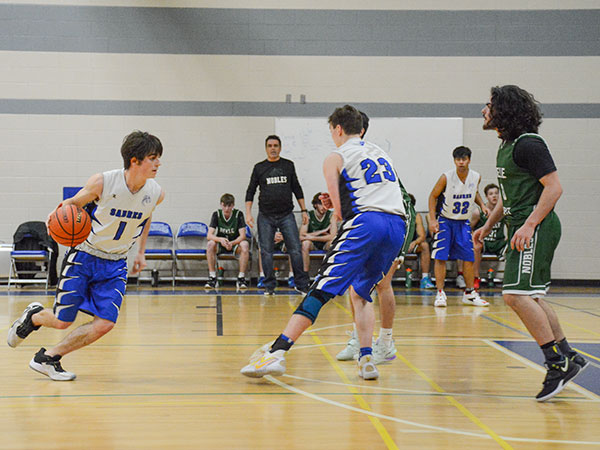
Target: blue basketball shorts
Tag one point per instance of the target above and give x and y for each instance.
(453, 241)
(90, 284)
(361, 254)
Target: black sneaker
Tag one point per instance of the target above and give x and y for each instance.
(579, 360)
(303, 290)
(269, 291)
(23, 326)
(155, 278)
(557, 377)
(211, 283)
(241, 283)
(50, 366)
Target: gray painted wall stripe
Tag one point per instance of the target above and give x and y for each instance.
(271, 109)
(59, 28)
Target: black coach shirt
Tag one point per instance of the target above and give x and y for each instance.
(277, 181)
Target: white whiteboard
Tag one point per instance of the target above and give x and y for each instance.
(421, 149)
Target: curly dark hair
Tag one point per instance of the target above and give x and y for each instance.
(514, 111)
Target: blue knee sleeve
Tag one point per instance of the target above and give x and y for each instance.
(312, 304)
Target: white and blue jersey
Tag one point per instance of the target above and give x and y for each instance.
(119, 216)
(373, 230)
(94, 274)
(368, 181)
(454, 239)
(458, 199)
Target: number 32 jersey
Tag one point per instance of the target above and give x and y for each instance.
(368, 181)
(459, 197)
(119, 215)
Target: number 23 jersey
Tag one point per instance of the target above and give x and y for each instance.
(368, 181)
(119, 215)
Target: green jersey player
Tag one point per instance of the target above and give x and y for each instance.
(529, 190)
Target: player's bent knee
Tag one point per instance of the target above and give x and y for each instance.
(103, 326)
(62, 325)
(312, 304)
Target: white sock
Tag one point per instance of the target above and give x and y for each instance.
(261, 274)
(425, 275)
(241, 275)
(212, 274)
(291, 275)
(354, 332)
(385, 335)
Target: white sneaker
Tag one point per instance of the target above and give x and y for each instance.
(460, 282)
(351, 350)
(23, 326)
(367, 369)
(50, 366)
(474, 299)
(382, 352)
(440, 299)
(268, 364)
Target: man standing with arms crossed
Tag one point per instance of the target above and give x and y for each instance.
(529, 190)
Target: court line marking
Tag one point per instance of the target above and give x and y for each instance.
(432, 393)
(581, 328)
(385, 436)
(416, 424)
(463, 409)
(592, 363)
(535, 366)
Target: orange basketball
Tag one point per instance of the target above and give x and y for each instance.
(69, 225)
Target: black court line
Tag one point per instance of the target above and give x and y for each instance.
(219, 316)
(219, 310)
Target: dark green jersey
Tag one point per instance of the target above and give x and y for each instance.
(497, 234)
(315, 224)
(411, 220)
(229, 229)
(520, 190)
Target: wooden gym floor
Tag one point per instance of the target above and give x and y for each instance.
(168, 376)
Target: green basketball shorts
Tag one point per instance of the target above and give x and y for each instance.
(528, 272)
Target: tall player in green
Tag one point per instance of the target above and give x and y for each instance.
(529, 190)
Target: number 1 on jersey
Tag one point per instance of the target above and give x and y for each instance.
(120, 231)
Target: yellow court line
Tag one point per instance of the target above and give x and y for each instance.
(586, 354)
(389, 442)
(581, 328)
(387, 439)
(343, 308)
(457, 404)
(507, 322)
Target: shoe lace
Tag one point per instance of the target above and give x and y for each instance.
(56, 364)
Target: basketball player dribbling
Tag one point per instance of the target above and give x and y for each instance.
(94, 273)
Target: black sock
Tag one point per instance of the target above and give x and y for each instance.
(282, 343)
(565, 348)
(551, 352)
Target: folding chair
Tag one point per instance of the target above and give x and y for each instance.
(159, 248)
(190, 246)
(34, 253)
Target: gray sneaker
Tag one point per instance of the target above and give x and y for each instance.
(351, 350)
(50, 366)
(23, 326)
(382, 352)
